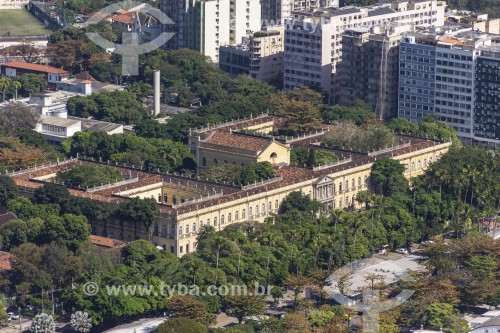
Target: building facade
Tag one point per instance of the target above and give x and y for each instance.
(369, 70)
(260, 55)
(442, 73)
(487, 97)
(17, 68)
(313, 39)
(205, 25)
(186, 204)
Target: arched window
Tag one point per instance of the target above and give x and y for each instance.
(243, 214)
(164, 230)
(187, 229)
(222, 220)
(215, 221)
(413, 166)
(273, 155)
(172, 229)
(418, 165)
(353, 183)
(250, 213)
(359, 181)
(194, 227)
(366, 180)
(257, 210)
(183, 200)
(208, 221)
(276, 205)
(347, 185)
(430, 160)
(165, 198)
(340, 187)
(201, 224)
(203, 161)
(236, 216)
(229, 218)
(180, 230)
(347, 201)
(156, 229)
(270, 207)
(263, 209)
(425, 163)
(174, 200)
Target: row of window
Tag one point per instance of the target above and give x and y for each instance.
(259, 211)
(324, 191)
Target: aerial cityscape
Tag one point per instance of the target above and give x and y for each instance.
(250, 166)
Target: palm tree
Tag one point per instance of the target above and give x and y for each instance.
(17, 85)
(4, 84)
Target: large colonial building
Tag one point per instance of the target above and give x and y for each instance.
(187, 203)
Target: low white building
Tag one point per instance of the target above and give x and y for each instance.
(56, 129)
(488, 322)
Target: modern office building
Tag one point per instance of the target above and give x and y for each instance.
(369, 69)
(235, 59)
(313, 39)
(454, 74)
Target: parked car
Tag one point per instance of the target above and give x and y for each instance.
(402, 251)
(12, 316)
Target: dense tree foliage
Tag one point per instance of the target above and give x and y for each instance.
(90, 176)
(310, 157)
(153, 154)
(14, 118)
(114, 106)
(357, 112)
(181, 325)
(238, 175)
(364, 138)
(429, 127)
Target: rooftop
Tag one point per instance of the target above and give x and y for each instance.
(239, 141)
(108, 243)
(35, 67)
(222, 134)
(56, 121)
(127, 18)
(96, 125)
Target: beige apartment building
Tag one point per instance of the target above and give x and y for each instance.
(187, 203)
(260, 55)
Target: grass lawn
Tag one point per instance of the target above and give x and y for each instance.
(20, 23)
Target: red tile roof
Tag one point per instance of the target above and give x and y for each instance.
(84, 76)
(124, 18)
(109, 243)
(5, 261)
(240, 141)
(35, 67)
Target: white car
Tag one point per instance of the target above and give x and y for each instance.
(12, 316)
(402, 251)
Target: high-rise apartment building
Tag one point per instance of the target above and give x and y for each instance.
(208, 26)
(204, 25)
(369, 69)
(454, 74)
(260, 55)
(313, 39)
(245, 19)
(274, 12)
(487, 96)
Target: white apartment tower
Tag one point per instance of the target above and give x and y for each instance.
(245, 19)
(313, 39)
(205, 25)
(274, 12)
